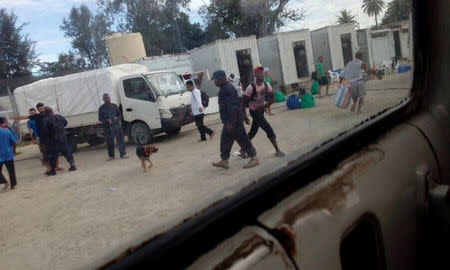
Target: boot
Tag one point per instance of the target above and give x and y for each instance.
(51, 172)
(222, 164)
(72, 167)
(252, 163)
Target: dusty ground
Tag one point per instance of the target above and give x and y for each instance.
(79, 220)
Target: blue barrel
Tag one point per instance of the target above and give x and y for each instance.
(403, 68)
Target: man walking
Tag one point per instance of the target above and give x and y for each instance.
(198, 111)
(38, 119)
(7, 140)
(353, 73)
(255, 96)
(109, 115)
(55, 140)
(323, 80)
(233, 125)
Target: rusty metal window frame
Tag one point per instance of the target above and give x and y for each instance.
(177, 247)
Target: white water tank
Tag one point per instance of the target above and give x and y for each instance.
(125, 48)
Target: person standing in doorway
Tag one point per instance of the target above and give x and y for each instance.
(353, 73)
(233, 123)
(236, 83)
(55, 140)
(198, 111)
(321, 77)
(7, 141)
(268, 79)
(255, 96)
(109, 115)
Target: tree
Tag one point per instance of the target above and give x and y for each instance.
(157, 21)
(17, 54)
(346, 16)
(88, 32)
(214, 31)
(67, 64)
(397, 10)
(251, 17)
(373, 8)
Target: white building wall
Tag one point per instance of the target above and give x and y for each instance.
(383, 48)
(269, 55)
(227, 52)
(335, 32)
(286, 49)
(321, 47)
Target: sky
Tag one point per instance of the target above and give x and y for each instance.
(43, 18)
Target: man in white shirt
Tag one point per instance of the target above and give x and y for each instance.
(198, 111)
(236, 83)
(353, 73)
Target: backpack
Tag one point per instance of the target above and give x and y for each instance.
(266, 98)
(205, 99)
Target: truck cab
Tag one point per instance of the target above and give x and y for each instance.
(153, 103)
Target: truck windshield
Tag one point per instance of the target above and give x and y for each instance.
(166, 83)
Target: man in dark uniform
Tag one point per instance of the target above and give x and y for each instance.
(233, 123)
(109, 115)
(54, 140)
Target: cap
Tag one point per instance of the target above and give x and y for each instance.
(266, 69)
(258, 68)
(219, 74)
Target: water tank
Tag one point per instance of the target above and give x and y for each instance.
(125, 48)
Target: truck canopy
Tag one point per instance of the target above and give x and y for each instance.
(77, 93)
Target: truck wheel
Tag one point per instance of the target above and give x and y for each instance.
(73, 146)
(95, 141)
(140, 133)
(173, 132)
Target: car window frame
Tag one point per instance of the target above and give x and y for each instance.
(226, 217)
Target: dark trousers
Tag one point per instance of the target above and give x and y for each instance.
(55, 150)
(11, 171)
(201, 127)
(259, 121)
(236, 133)
(110, 134)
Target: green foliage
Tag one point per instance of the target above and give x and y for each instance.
(17, 54)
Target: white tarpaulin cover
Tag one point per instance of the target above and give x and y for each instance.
(75, 94)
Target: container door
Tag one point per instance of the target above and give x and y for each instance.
(398, 52)
(139, 102)
(245, 65)
(346, 41)
(300, 59)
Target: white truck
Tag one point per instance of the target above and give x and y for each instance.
(151, 102)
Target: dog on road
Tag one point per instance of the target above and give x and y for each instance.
(144, 152)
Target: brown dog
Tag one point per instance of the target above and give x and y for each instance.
(144, 152)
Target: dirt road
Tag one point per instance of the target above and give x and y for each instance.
(79, 220)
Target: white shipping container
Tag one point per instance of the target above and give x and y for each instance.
(225, 55)
(179, 63)
(365, 45)
(383, 46)
(288, 55)
(337, 44)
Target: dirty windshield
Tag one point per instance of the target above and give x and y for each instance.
(166, 83)
(93, 166)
